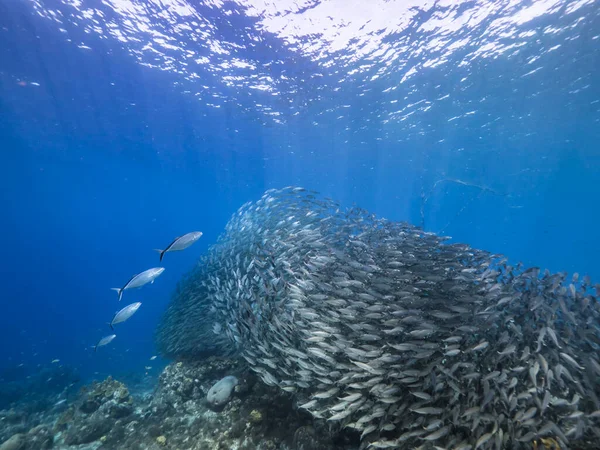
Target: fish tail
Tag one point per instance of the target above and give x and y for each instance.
(110, 325)
(120, 291)
(162, 252)
(95, 347)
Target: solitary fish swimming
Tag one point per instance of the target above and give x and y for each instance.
(124, 314)
(104, 341)
(180, 243)
(137, 281)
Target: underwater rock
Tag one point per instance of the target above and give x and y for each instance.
(16, 442)
(184, 381)
(109, 392)
(220, 393)
(64, 419)
(39, 438)
(87, 430)
(25, 418)
(96, 413)
(305, 438)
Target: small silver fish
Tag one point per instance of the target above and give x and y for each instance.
(105, 341)
(139, 280)
(180, 243)
(570, 360)
(481, 346)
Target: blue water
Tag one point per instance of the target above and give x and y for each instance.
(127, 123)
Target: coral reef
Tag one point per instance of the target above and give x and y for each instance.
(27, 421)
(39, 437)
(255, 417)
(176, 415)
(101, 410)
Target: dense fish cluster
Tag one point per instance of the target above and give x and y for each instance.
(386, 329)
(187, 329)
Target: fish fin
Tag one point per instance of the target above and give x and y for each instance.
(162, 252)
(120, 291)
(152, 282)
(95, 347)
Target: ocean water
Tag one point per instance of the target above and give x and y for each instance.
(124, 124)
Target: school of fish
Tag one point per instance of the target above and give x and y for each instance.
(391, 331)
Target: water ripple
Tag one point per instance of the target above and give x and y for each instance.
(288, 57)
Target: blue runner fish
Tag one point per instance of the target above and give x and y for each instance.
(139, 280)
(180, 243)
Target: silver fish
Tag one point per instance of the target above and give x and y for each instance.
(105, 341)
(570, 360)
(139, 280)
(180, 243)
(124, 314)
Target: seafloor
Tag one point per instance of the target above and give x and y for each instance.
(173, 414)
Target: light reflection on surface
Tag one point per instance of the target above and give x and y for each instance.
(226, 50)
